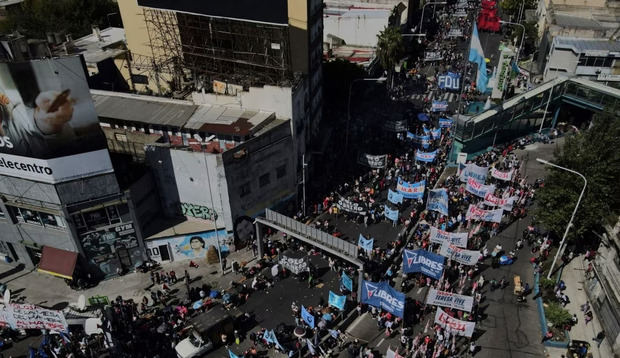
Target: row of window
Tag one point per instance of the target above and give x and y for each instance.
(263, 180)
(36, 217)
(590, 61)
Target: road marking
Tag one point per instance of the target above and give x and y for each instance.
(419, 290)
(380, 342)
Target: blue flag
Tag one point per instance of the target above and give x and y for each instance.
(381, 294)
(410, 135)
(336, 300)
(424, 140)
(366, 244)
(438, 201)
(390, 214)
(307, 317)
(347, 282)
(436, 133)
(394, 197)
(423, 261)
(425, 156)
(476, 55)
(445, 122)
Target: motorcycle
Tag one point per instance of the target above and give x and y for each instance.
(148, 265)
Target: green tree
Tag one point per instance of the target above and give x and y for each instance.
(511, 8)
(531, 37)
(557, 315)
(34, 18)
(593, 153)
(390, 48)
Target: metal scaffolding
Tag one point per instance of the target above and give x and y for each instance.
(205, 48)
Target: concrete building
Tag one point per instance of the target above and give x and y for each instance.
(215, 167)
(267, 56)
(603, 286)
(594, 59)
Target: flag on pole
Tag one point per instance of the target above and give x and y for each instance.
(476, 55)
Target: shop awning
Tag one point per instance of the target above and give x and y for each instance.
(58, 262)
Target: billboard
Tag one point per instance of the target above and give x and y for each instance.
(49, 130)
(270, 11)
(188, 246)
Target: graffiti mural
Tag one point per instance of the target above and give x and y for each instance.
(189, 246)
(198, 211)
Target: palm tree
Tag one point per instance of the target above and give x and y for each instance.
(390, 48)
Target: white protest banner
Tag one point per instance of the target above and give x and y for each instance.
(493, 200)
(507, 176)
(474, 213)
(473, 171)
(450, 300)
(466, 257)
(27, 316)
(478, 189)
(455, 238)
(455, 326)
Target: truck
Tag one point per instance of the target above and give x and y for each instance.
(205, 331)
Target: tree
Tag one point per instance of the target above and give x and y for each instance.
(34, 18)
(593, 153)
(511, 8)
(531, 37)
(390, 48)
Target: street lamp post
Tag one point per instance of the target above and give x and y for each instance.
(423, 7)
(570, 222)
(346, 136)
(522, 37)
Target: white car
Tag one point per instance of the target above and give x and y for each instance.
(193, 346)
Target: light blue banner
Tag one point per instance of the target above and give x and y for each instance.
(471, 170)
(336, 300)
(347, 282)
(436, 133)
(428, 157)
(411, 190)
(394, 197)
(424, 140)
(307, 317)
(390, 214)
(365, 243)
(426, 131)
(438, 201)
(439, 106)
(445, 122)
(410, 135)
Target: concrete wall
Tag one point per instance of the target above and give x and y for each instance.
(265, 154)
(298, 34)
(356, 27)
(87, 189)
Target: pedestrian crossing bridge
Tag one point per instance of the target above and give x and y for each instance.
(523, 114)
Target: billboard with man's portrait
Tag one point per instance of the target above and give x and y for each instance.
(49, 130)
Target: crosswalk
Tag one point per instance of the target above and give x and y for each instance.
(448, 97)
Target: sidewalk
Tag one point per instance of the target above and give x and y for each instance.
(50, 291)
(574, 277)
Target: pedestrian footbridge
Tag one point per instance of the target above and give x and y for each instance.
(523, 114)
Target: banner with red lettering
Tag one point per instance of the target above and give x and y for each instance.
(507, 176)
(479, 189)
(474, 213)
(27, 316)
(493, 200)
(455, 326)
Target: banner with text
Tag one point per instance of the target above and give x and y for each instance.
(455, 238)
(428, 157)
(438, 201)
(466, 257)
(450, 300)
(479, 189)
(372, 161)
(439, 106)
(350, 206)
(423, 261)
(27, 316)
(432, 56)
(455, 326)
(451, 81)
(473, 171)
(506, 176)
(445, 122)
(411, 190)
(505, 204)
(390, 214)
(381, 294)
(475, 213)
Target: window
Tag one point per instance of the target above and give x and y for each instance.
(244, 190)
(113, 214)
(281, 171)
(36, 217)
(50, 220)
(96, 218)
(263, 180)
(30, 216)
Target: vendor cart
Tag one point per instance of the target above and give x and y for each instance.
(518, 291)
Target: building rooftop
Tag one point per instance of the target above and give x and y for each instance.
(577, 22)
(180, 114)
(164, 227)
(580, 45)
(96, 49)
(4, 3)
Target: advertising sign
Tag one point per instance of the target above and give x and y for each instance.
(373, 161)
(49, 130)
(350, 206)
(423, 261)
(428, 157)
(455, 238)
(450, 300)
(455, 326)
(506, 176)
(411, 190)
(466, 257)
(479, 189)
(474, 213)
(105, 241)
(438, 201)
(439, 106)
(381, 294)
(473, 171)
(450, 81)
(189, 246)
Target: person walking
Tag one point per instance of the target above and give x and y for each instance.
(599, 338)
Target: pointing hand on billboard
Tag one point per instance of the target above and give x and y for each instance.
(54, 110)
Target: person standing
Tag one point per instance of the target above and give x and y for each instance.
(599, 338)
